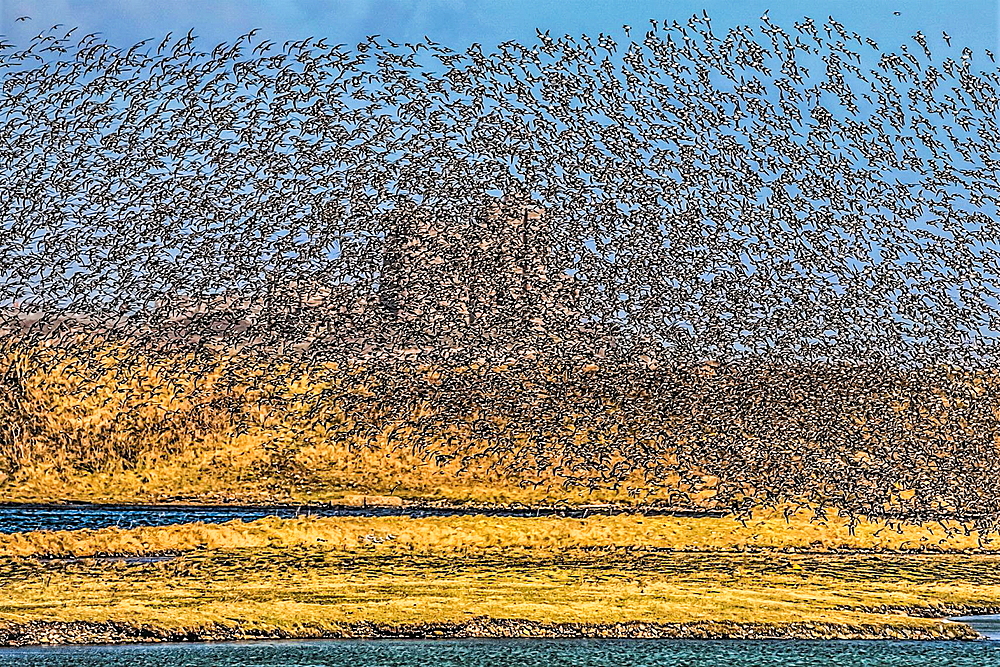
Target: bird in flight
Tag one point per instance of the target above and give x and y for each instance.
(22, 18)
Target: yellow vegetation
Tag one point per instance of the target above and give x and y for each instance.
(766, 530)
(319, 572)
(107, 423)
(101, 422)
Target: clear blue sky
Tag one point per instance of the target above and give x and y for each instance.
(457, 23)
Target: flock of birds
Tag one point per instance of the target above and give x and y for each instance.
(672, 214)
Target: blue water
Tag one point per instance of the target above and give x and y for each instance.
(22, 518)
(986, 625)
(517, 653)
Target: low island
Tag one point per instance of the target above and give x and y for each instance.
(625, 575)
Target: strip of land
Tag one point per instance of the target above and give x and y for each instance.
(612, 576)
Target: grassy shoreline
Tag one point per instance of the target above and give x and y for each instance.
(613, 576)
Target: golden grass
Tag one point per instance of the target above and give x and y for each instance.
(281, 588)
(281, 574)
(102, 422)
(766, 530)
(108, 424)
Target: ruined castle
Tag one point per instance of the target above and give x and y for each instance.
(489, 270)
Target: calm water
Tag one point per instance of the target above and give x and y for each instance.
(21, 518)
(989, 626)
(516, 653)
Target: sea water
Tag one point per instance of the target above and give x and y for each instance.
(988, 626)
(23, 518)
(518, 653)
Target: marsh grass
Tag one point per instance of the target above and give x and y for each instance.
(285, 574)
(103, 423)
(803, 530)
(100, 421)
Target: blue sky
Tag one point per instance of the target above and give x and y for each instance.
(457, 23)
